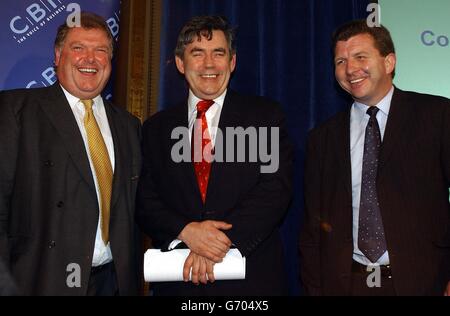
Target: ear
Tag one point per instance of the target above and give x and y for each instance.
(233, 63)
(57, 56)
(390, 62)
(180, 64)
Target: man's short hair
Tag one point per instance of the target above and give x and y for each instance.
(381, 36)
(203, 26)
(88, 21)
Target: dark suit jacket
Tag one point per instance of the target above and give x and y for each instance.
(413, 192)
(255, 203)
(7, 285)
(48, 203)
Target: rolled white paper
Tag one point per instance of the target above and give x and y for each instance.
(168, 266)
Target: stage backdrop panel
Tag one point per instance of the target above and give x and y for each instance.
(421, 33)
(27, 33)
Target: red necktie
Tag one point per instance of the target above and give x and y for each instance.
(202, 155)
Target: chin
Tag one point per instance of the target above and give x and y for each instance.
(210, 94)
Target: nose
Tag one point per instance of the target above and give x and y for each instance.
(90, 55)
(209, 61)
(351, 67)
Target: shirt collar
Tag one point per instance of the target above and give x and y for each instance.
(73, 100)
(384, 105)
(193, 100)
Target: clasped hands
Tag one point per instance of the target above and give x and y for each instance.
(208, 244)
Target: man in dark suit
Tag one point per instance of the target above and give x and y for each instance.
(69, 163)
(212, 206)
(377, 217)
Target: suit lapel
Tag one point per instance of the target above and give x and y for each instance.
(118, 132)
(229, 117)
(398, 117)
(179, 118)
(58, 111)
(341, 143)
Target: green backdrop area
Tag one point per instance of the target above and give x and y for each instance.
(421, 33)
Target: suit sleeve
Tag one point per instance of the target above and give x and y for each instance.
(445, 157)
(310, 233)
(8, 153)
(153, 217)
(262, 210)
(446, 142)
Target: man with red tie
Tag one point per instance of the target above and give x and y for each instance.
(213, 204)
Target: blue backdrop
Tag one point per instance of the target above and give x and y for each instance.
(283, 52)
(27, 32)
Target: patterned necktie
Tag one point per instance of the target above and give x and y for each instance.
(102, 165)
(202, 155)
(371, 239)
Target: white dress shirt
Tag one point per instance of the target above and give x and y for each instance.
(358, 122)
(212, 115)
(102, 253)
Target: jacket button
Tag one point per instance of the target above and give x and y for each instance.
(52, 244)
(208, 215)
(60, 204)
(48, 163)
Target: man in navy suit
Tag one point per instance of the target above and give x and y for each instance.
(377, 217)
(212, 206)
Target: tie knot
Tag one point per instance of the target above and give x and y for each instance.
(372, 111)
(88, 104)
(203, 106)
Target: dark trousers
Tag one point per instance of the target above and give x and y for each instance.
(360, 286)
(103, 281)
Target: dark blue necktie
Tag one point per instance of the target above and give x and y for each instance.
(371, 239)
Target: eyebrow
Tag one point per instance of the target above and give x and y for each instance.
(76, 43)
(360, 52)
(221, 50)
(198, 49)
(87, 44)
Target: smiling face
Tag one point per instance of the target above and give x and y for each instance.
(362, 71)
(207, 65)
(84, 62)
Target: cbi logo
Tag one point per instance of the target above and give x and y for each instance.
(36, 15)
